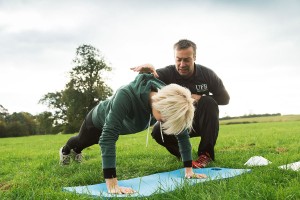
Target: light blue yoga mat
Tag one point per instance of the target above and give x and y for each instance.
(157, 183)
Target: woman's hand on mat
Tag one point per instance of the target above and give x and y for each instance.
(121, 190)
(190, 174)
(114, 188)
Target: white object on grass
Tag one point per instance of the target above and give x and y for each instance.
(257, 161)
(292, 166)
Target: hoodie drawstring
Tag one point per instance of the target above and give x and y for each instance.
(147, 138)
(161, 132)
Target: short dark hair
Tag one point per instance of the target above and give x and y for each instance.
(184, 44)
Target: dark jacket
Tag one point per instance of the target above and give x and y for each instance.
(203, 82)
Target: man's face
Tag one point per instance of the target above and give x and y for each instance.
(184, 61)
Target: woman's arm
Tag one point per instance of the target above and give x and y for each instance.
(185, 149)
(110, 133)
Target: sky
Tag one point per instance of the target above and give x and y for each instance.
(253, 46)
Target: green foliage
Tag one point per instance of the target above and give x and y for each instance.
(45, 123)
(29, 165)
(3, 112)
(25, 124)
(54, 100)
(20, 124)
(245, 120)
(2, 129)
(252, 116)
(84, 90)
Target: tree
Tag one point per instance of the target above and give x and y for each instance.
(16, 124)
(44, 123)
(3, 112)
(24, 124)
(3, 129)
(54, 100)
(84, 90)
(20, 124)
(3, 115)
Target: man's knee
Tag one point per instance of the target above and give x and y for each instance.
(207, 102)
(207, 107)
(206, 116)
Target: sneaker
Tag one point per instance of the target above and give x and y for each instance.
(202, 161)
(63, 159)
(76, 156)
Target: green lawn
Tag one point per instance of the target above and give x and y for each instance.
(29, 166)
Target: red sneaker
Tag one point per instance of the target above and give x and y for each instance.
(202, 161)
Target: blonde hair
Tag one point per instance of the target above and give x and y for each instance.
(175, 105)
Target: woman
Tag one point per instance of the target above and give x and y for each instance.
(131, 110)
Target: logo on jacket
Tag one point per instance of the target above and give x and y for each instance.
(201, 88)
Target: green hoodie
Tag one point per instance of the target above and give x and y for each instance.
(127, 112)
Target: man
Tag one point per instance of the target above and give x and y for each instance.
(208, 91)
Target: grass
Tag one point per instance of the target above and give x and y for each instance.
(248, 120)
(29, 166)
